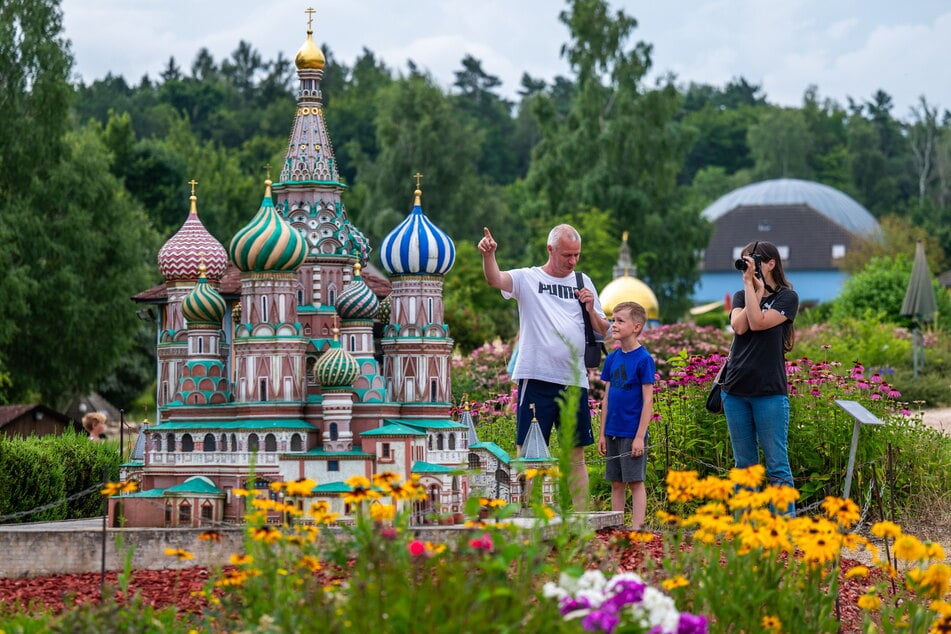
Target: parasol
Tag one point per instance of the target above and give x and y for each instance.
(920, 302)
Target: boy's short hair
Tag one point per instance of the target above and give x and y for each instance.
(635, 310)
(92, 419)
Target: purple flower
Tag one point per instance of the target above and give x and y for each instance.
(691, 624)
(570, 604)
(600, 620)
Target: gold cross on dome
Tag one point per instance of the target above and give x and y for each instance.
(310, 16)
(267, 170)
(417, 176)
(193, 182)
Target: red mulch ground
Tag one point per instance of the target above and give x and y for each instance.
(161, 588)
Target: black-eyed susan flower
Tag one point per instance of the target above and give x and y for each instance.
(750, 477)
(266, 534)
(310, 562)
(856, 571)
(844, 512)
(382, 512)
(869, 602)
(772, 624)
(210, 536)
(241, 560)
(909, 548)
(679, 581)
(299, 488)
(886, 529)
(179, 553)
(243, 493)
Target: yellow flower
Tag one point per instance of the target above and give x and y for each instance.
(640, 536)
(941, 626)
(934, 551)
(357, 482)
(180, 553)
(244, 493)
(679, 581)
(211, 536)
(712, 488)
(409, 490)
(385, 479)
(240, 560)
(845, 512)
(869, 602)
(750, 477)
(772, 623)
(886, 529)
(941, 607)
(856, 571)
(780, 497)
(266, 534)
(935, 580)
(820, 549)
(531, 473)
(276, 486)
(382, 512)
(549, 512)
(909, 548)
(668, 518)
(360, 490)
(302, 487)
(115, 488)
(310, 562)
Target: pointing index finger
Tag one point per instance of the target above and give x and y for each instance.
(488, 234)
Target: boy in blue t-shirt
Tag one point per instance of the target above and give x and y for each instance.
(626, 410)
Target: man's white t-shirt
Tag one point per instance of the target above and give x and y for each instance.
(551, 328)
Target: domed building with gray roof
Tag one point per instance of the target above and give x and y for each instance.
(813, 226)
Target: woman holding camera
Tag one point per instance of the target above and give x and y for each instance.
(755, 394)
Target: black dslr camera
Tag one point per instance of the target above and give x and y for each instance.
(742, 264)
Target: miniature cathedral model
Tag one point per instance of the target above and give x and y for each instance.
(268, 367)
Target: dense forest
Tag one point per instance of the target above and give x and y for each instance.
(95, 175)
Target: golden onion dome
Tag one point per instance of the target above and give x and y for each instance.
(627, 288)
(310, 55)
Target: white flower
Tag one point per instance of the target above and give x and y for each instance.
(552, 590)
(656, 610)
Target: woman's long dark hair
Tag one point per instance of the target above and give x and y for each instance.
(768, 251)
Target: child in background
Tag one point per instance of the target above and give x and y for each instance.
(95, 424)
(626, 410)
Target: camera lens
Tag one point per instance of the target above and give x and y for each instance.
(741, 264)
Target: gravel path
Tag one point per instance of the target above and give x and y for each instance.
(939, 419)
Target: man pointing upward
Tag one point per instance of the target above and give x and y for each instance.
(551, 339)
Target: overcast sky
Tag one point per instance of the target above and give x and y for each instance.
(848, 48)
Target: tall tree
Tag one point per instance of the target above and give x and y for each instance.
(922, 137)
(618, 149)
(780, 143)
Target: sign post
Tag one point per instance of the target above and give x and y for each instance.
(862, 417)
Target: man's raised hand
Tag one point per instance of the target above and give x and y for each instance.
(487, 244)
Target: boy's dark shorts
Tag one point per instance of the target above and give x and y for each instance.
(544, 396)
(621, 466)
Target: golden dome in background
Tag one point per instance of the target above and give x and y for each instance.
(629, 289)
(310, 55)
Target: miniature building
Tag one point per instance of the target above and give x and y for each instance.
(267, 367)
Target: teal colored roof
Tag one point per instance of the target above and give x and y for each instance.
(830, 202)
(196, 484)
(332, 487)
(428, 423)
(427, 467)
(493, 449)
(394, 429)
(217, 425)
(151, 493)
(332, 455)
(133, 463)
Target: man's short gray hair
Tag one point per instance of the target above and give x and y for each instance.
(560, 232)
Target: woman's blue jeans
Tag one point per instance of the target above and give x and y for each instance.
(760, 422)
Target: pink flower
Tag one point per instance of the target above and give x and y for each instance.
(482, 543)
(417, 548)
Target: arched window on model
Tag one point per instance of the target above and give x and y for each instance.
(452, 440)
(209, 443)
(264, 309)
(170, 441)
(297, 443)
(187, 443)
(254, 444)
(270, 443)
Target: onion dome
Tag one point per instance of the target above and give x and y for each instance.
(268, 243)
(336, 368)
(416, 245)
(203, 307)
(383, 314)
(310, 55)
(628, 288)
(180, 257)
(357, 301)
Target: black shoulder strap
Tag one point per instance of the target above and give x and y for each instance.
(588, 330)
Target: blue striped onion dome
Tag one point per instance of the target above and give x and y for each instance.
(204, 306)
(357, 301)
(180, 256)
(336, 368)
(268, 243)
(416, 245)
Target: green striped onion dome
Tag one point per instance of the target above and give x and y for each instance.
(336, 368)
(357, 301)
(204, 306)
(267, 243)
